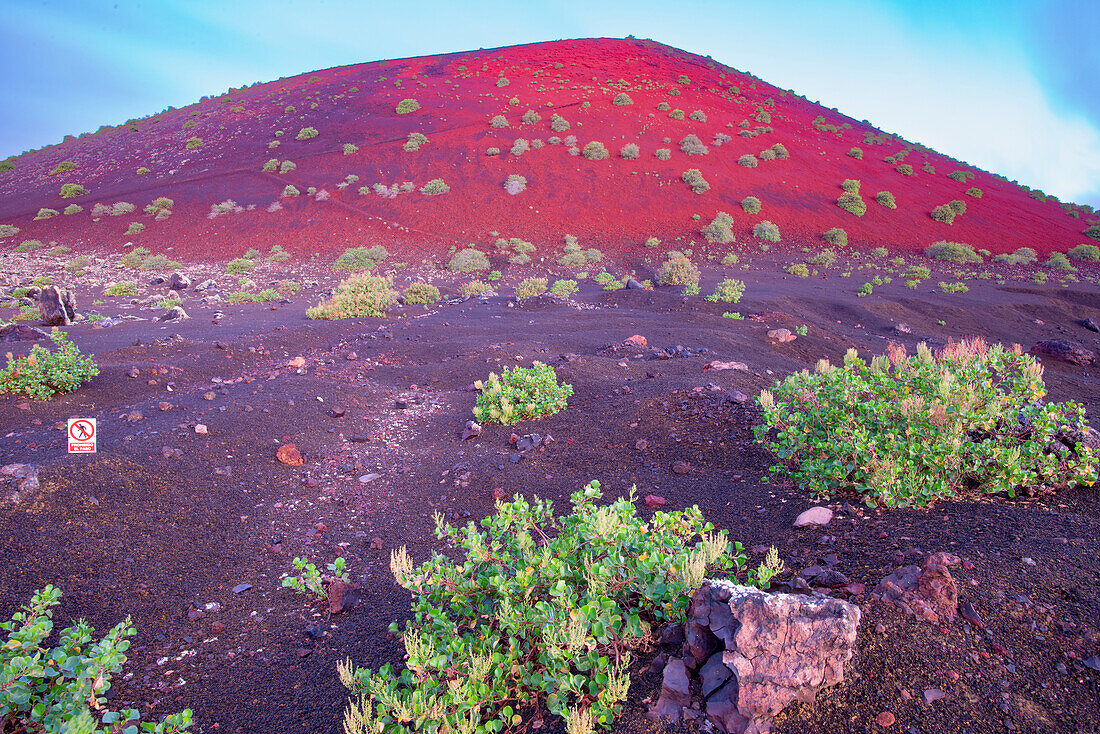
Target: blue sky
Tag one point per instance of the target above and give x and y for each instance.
(1010, 86)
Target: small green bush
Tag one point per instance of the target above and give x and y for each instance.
(406, 106)
(720, 229)
(856, 153)
(886, 199)
(698, 116)
(748, 161)
(958, 206)
(564, 288)
(361, 294)
(663, 154)
(1093, 231)
(1059, 261)
(780, 151)
(415, 141)
(694, 178)
(435, 187)
(306, 133)
(799, 269)
(135, 228)
(29, 245)
(727, 291)
(850, 185)
(677, 270)
(350, 148)
(961, 176)
(45, 213)
(271, 166)
(43, 373)
(475, 287)
(418, 293)
(1085, 252)
(595, 151)
(953, 287)
(765, 230)
(291, 190)
(909, 430)
(944, 213)
(622, 99)
(836, 236)
(193, 142)
(905, 169)
(676, 114)
(239, 266)
(361, 258)
(692, 145)
(751, 205)
(956, 252)
(121, 289)
(10, 230)
(531, 287)
(852, 203)
(525, 627)
(500, 121)
(629, 152)
(824, 259)
(62, 167)
(71, 191)
(468, 260)
(975, 192)
(530, 117)
(64, 689)
(287, 166)
(520, 393)
(917, 272)
(558, 123)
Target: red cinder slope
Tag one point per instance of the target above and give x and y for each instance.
(615, 203)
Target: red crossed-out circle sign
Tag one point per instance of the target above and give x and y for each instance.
(82, 430)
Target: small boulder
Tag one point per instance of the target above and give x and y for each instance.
(342, 596)
(814, 516)
(654, 500)
(472, 430)
(719, 366)
(21, 333)
(636, 341)
(675, 693)
(288, 454)
(57, 306)
(173, 315)
(781, 335)
(179, 282)
(1090, 324)
(1065, 350)
(634, 285)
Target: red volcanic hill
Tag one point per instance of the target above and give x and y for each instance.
(341, 139)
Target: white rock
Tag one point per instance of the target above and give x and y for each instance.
(814, 516)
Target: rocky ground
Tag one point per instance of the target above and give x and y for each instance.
(186, 520)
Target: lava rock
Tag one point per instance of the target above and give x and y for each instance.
(173, 315)
(814, 516)
(21, 333)
(57, 306)
(178, 282)
(1065, 350)
(927, 592)
(675, 693)
(342, 596)
(288, 454)
(1090, 324)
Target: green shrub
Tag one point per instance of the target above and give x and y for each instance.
(1093, 231)
(520, 393)
(134, 257)
(434, 187)
(958, 206)
(406, 106)
(500, 121)
(748, 161)
(917, 272)
(310, 582)
(361, 294)
(692, 145)
(850, 185)
(886, 199)
(29, 245)
(414, 142)
(727, 291)
(909, 430)
(856, 153)
(530, 287)
(45, 213)
(905, 169)
(595, 151)
(548, 631)
(530, 117)
(677, 270)
(836, 236)
(239, 266)
(10, 230)
(492, 151)
(652, 242)
(765, 230)
(558, 123)
(720, 229)
(7, 165)
(622, 99)
(1058, 261)
(799, 269)
(361, 258)
(629, 152)
(520, 146)
(694, 178)
(731, 259)
(953, 287)
(121, 289)
(71, 191)
(956, 252)
(193, 142)
(474, 287)
(780, 151)
(43, 373)
(350, 148)
(824, 259)
(135, 228)
(58, 689)
(564, 288)
(663, 154)
(975, 192)
(664, 106)
(271, 166)
(944, 213)
(158, 262)
(62, 167)
(961, 176)
(291, 190)
(676, 114)
(306, 133)
(698, 116)
(287, 166)
(421, 293)
(1085, 252)
(852, 203)
(751, 205)
(468, 260)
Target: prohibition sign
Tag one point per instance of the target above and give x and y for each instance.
(82, 438)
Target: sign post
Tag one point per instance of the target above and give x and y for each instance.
(82, 436)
